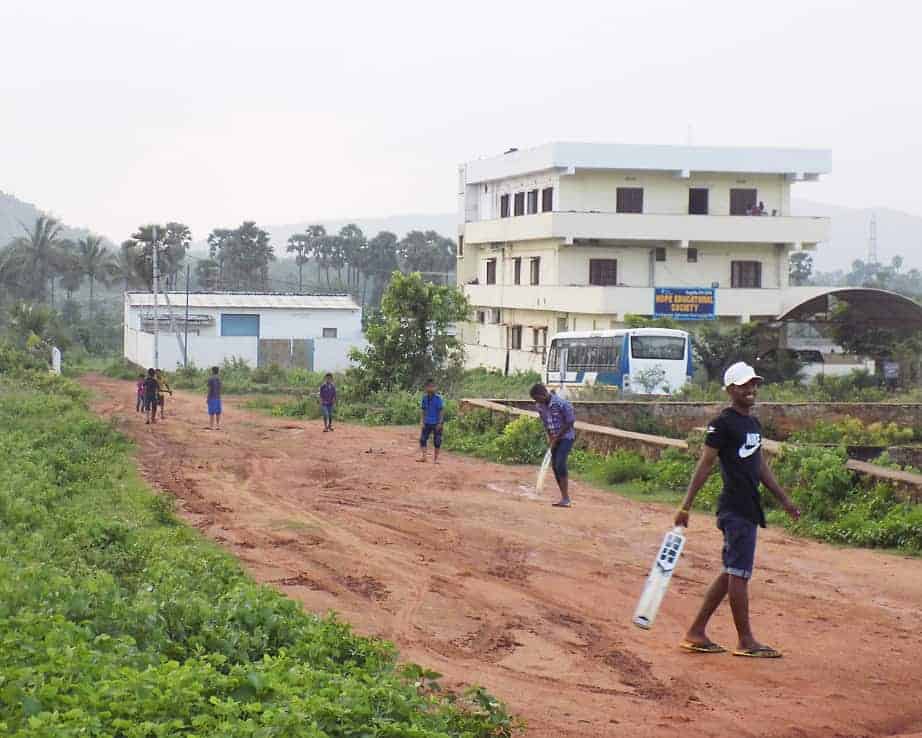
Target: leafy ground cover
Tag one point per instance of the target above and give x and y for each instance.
(117, 620)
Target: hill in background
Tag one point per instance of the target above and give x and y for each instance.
(898, 233)
(14, 213)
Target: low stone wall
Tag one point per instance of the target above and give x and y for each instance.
(779, 419)
(601, 439)
(605, 440)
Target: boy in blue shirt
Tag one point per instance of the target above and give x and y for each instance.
(432, 412)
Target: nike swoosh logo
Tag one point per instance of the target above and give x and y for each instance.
(747, 451)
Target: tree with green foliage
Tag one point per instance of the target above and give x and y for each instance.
(38, 251)
(299, 245)
(352, 242)
(173, 242)
(427, 251)
(800, 268)
(642, 321)
(410, 339)
(96, 263)
(380, 262)
(243, 255)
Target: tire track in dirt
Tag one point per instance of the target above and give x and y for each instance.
(468, 573)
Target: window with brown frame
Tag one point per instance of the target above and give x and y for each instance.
(603, 272)
(535, 268)
(547, 199)
(516, 336)
(746, 274)
(517, 270)
(504, 206)
(460, 245)
(519, 204)
(491, 271)
(532, 202)
(630, 200)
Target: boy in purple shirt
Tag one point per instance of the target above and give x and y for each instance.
(214, 400)
(327, 400)
(559, 421)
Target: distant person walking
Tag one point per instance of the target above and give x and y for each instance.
(735, 438)
(214, 400)
(431, 417)
(139, 402)
(560, 425)
(891, 374)
(327, 401)
(164, 387)
(151, 388)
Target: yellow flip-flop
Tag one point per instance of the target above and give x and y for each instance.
(763, 652)
(709, 647)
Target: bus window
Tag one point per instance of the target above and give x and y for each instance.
(592, 354)
(658, 347)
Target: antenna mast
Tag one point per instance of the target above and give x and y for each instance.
(872, 240)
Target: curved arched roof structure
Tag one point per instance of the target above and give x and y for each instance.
(880, 307)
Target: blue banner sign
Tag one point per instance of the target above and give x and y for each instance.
(684, 303)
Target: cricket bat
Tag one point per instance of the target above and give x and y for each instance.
(542, 473)
(658, 580)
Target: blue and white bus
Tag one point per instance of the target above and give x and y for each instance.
(634, 360)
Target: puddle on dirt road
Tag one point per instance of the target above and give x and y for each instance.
(519, 490)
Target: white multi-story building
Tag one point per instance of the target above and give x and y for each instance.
(571, 236)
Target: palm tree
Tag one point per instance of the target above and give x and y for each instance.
(125, 265)
(317, 247)
(299, 243)
(38, 249)
(96, 262)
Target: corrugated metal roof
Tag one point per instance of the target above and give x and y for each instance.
(231, 300)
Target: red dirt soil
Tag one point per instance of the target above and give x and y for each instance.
(473, 576)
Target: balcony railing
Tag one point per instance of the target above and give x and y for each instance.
(598, 225)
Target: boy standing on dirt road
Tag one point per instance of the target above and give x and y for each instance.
(734, 437)
(163, 386)
(139, 403)
(214, 400)
(559, 422)
(327, 401)
(151, 387)
(432, 413)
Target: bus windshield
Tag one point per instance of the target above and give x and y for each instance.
(658, 347)
(586, 354)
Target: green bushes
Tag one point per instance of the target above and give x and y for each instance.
(115, 620)
(852, 432)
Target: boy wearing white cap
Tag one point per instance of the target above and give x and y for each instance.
(735, 438)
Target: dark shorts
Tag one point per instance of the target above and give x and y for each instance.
(326, 411)
(150, 402)
(214, 406)
(433, 430)
(739, 550)
(559, 458)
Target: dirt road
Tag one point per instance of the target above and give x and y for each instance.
(471, 575)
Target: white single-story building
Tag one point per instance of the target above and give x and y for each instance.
(315, 332)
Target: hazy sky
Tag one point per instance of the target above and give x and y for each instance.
(117, 113)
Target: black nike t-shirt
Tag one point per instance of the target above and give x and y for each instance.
(738, 440)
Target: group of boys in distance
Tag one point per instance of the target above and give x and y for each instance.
(733, 439)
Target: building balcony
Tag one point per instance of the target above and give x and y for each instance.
(572, 226)
(593, 300)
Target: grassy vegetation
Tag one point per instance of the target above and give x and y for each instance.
(116, 620)
(837, 506)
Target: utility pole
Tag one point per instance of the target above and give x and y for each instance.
(185, 343)
(156, 290)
